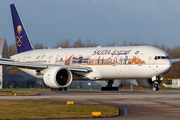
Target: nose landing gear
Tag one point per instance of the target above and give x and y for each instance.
(155, 86)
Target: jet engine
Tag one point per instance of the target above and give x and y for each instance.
(156, 82)
(58, 77)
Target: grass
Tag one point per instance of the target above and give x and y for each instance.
(17, 94)
(168, 89)
(25, 89)
(50, 110)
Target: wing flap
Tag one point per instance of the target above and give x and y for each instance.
(79, 69)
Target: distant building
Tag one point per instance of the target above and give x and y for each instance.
(23, 80)
(98, 84)
(4, 73)
(175, 83)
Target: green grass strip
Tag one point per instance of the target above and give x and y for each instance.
(50, 110)
(17, 94)
(25, 89)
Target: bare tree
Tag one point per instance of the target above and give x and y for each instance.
(38, 45)
(78, 43)
(64, 44)
(112, 44)
(12, 49)
(125, 42)
(138, 42)
(89, 43)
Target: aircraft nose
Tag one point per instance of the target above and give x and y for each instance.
(169, 65)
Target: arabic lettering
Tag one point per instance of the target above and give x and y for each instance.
(40, 57)
(101, 52)
(111, 52)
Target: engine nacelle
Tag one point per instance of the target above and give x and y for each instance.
(150, 82)
(58, 77)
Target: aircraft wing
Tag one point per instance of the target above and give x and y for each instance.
(12, 64)
(23, 65)
(6, 59)
(175, 60)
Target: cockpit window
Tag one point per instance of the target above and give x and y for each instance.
(155, 58)
(167, 57)
(161, 57)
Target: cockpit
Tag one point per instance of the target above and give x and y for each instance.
(161, 57)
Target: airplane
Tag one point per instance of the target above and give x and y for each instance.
(59, 67)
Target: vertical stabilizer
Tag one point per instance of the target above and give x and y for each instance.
(22, 41)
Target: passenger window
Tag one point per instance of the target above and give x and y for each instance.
(159, 57)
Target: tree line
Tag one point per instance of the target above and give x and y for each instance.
(174, 52)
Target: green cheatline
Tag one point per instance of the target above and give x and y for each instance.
(50, 110)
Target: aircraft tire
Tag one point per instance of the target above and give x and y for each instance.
(109, 89)
(65, 89)
(51, 89)
(155, 88)
(59, 89)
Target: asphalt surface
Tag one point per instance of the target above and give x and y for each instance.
(136, 105)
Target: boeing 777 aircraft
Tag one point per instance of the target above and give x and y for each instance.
(58, 67)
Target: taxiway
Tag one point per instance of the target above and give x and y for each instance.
(135, 104)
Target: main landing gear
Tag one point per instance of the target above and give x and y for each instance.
(58, 89)
(109, 86)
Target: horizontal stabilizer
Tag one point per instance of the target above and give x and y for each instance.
(6, 59)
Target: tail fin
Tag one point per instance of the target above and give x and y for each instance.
(22, 41)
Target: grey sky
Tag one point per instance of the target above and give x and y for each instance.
(102, 21)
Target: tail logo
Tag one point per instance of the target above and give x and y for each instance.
(18, 37)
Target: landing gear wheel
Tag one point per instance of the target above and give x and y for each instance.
(109, 89)
(65, 89)
(155, 88)
(58, 89)
(51, 89)
(109, 86)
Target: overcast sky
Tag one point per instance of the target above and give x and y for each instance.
(102, 21)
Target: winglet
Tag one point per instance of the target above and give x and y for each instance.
(22, 41)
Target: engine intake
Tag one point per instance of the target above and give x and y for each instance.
(58, 77)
